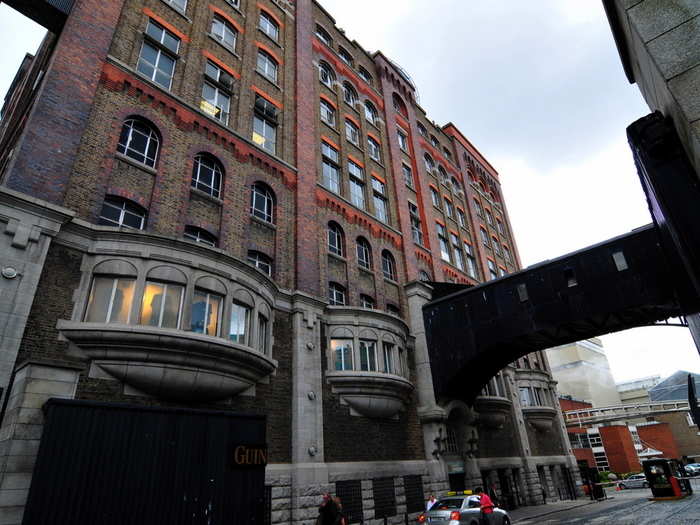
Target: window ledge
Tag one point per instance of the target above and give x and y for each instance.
(368, 271)
(541, 418)
(178, 11)
(168, 363)
(371, 394)
(135, 163)
(224, 46)
(268, 80)
(206, 196)
(329, 126)
(268, 38)
(338, 257)
(391, 281)
(263, 222)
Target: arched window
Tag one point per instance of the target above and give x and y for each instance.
(262, 202)
(370, 113)
(200, 235)
(326, 74)
(139, 141)
(364, 253)
(429, 162)
(443, 174)
(447, 153)
(424, 276)
(345, 56)
(434, 141)
(224, 32)
(117, 211)
(388, 265)
(422, 130)
(349, 94)
(207, 174)
(399, 105)
(323, 36)
(367, 301)
(261, 261)
(269, 26)
(366, 75)
(336, 294)
(267, 66)
(335, 239)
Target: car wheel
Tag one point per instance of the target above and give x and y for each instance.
(506, 521)
(645, 485)
(622, 486)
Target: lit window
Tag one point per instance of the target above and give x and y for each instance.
(206, 313)
(269, 26)
(349, 94)
(374, 149)
(162, 304)
(370, 113)
(326, 74)
(352, 133)
(388, 265)
(261, 261)
(110, 300)
(323, 36)
(364, 254)
(365, 75)
(416, 228)
(367, 302)
(158, 55)
(335, 240)
(336, 294)
(117, 211)
(239, 327)
(267, 66)
(216, 98)
(345, 56)
(139, 141)
(199, 235)
(207, 175)
(265, 120)
(330, 175)
(368, 355)
(224, 32)
(407, 175)
(262, 202)
(327, 113)
(342, 353)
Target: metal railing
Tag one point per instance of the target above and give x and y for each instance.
(593, 416)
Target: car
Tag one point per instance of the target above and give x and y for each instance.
(635, 481)
(460, 510)
(693, 469)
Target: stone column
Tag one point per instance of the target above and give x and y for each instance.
(560, 427)
(21, 430)
(27, 226)
(432, 416)
(309, 472)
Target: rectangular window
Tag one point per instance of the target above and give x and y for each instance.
(403, 141)
(162, 305)
(158, 55)
(484, 236)
(461, 219)
(265, 134)
(525, 397)
(415, 498)
(180, 5)
(357, 193)
(262, 333)
(342, 352)
(435, 197)
(407, 175)
(381, 211)
(216, 100)
(471, 260)
(267, 66)
(350, 494)
(327, 113)
(444, 247)
(352, 133)
(384, 497)
(240, 318)
(457, 251)
(492, 269)
(499, 226)
(449, 209)
(388, 351)
(268, 26)
(368, 356)
(416, 227)
(110, 300)
(223, 32)
(355, 170)
(506, 253)
(330, 175)
(374, 149)
(206, 313)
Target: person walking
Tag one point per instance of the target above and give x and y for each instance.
(328, 512)
(429, 504)
(486, 506)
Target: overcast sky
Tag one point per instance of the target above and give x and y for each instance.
(538, 87)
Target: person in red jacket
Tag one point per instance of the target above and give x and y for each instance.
(486, 506)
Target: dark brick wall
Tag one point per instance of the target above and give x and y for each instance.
(544, 443)
(496, 443)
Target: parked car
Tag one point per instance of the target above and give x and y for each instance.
(693, 469)
(462, 510)
(635, 481)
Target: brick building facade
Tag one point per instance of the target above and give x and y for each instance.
(230, 205)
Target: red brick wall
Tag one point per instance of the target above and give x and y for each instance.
(619, 447)
(585, 454)
(661, 438)
(572, 404)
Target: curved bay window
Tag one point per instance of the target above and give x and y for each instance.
(207, 175)
(206, 312)
(262, 202)
(162, 304)
(110, 300)
(240, 323)
(139, 141)
(368, 355)
(342, 352)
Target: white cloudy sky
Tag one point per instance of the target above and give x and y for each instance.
(538, 88)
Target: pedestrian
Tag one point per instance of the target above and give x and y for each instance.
(486, 506)
(429, 504)
(327, 511)
(341, 519)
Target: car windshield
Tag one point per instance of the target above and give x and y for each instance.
(448, 504)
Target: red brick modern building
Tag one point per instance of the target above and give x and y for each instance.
(230, 205)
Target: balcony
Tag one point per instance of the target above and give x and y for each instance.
(170, 364)
(493, 410)
(371, 394)
(540, 418)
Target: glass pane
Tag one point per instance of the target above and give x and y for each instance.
(199, 311)
(155, 32)
(172, 306)
(132, 220)
(100, 296)
(121, 304)
(214, 315)
(152, 304)
(239, 324)
(171, 42)
(342, 350)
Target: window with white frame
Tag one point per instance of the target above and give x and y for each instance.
(484, 236)
(262, 202)
(492, 269)
(263, 324)
(342, 354)
(326, 74)
(324, 36)
(471, 260)
(352, 132)
(158, 54)
(261, 261)
(365, 75)
(381, 210)
(335, 240)
(444, 246)
(388, 354)
(434, 141)
(120, 212)
(403, 140)
(449, 208)
(180, 5)
(139, 141)
(461, 219)
(162, 304)
(435, 197)
(207, 175)
(429, 163)
(224, 32)
(457, 251)
(371, 113)
(416, 227)
(388, 265)
(330, 171)
(364, 253)
(265, 120)
(526, 397)
(206, 313)
(267, 65)
(422, 130)
(368, 355)
(357, 192)
(216, 92)
(489, 217)
(367, 302)
(327, 113)
(499, 227)
(110, 300)
(336, 294)
(407, 175)
(349, 94)
(200, 235)
(374, 149)
(479, 208)
(240, 324)
(345, 56)
(496, 246)
(269, 26)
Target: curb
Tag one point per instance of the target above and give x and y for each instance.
(535, 516)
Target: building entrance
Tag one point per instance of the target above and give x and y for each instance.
(117, 465)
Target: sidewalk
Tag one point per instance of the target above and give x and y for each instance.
(538, 511)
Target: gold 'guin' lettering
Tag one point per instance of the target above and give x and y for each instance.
(243, 455)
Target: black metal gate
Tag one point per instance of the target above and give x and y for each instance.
(112, 464)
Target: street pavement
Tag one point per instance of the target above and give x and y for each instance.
(629, 506)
